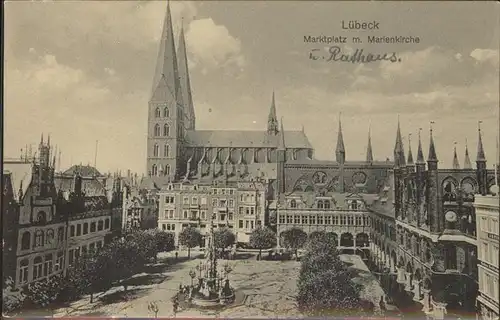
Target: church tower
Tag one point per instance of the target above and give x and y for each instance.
(166, 114)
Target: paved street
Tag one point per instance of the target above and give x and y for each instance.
(269, 287)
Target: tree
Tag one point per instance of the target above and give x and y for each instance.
(223, 238)
(123, 259)
(325, 284)
(262, 238)
(294, 238)
(11, 299)
(190, 237)
(328, 293)
(145, 240)
(165, 241)
(93, 269)
(43, 292)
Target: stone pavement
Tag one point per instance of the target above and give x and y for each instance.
(269, 288)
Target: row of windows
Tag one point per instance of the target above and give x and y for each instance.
(100, 226)
(221, 203)
(326, 204)
(249, 224)
(158, 113)
(489, 225)
(166, 150)
(488, 253)
(488, 284)
(75, 253)
(223, 191)
(328, 220)
(155, 170)
(203, 200)
(41, 238)
(158, 132)
(43, 266)
(168, 226)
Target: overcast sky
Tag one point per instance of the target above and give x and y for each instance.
(82, 70)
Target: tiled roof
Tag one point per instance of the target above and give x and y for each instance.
(90, 186)
(95, 203)
(347, 164)
(247, 139)
(20, 172)
(84, 171)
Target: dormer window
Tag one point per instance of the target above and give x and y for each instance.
(293, 204)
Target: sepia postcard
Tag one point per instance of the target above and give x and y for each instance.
(251, 159)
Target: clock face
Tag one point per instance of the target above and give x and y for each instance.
(451, 216)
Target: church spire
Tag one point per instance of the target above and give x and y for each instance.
(166, 87)
(340, 150)
(480, 150)
(420, 153)
(432, 149)
(281, 141)
(399, 152)
(272, 120)
(369, 152)
(467, 163)
(410, 155)
(185, 82)
(456, 164)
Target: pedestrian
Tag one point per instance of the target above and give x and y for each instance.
(176, 305)
(176, 255)
(382, 304)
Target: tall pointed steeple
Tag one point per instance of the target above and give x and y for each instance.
(399, 152)
(166, 86)
(410, 155)
(432, 157)
(480, 150)
(185, 82)
(272, 120)
(281, 141)
(467, 162)
(420, 153)
(456, 164)
(481, 172)
(340, 150)
(369, 152)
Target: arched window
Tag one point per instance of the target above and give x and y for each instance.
(50, 236)
(166, 150)
(293, 204)
(320, 204)
(166, 112)
(26, 241)
(167, 169)
(154, 170)
(157, 130)
(327, 204)
(157, 112)
(166, 130)
(41, 217)
(156, 150)
(39, 238)
(60, 234)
